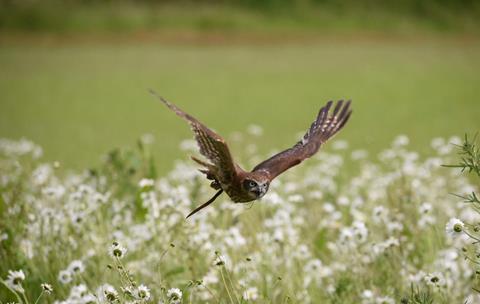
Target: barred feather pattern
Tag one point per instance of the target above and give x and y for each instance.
(211, 145)
(323, 128)
(216, 150)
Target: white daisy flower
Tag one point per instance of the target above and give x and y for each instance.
(220, 260)
(251, 294)
(117, 250)
(367, 294)
(65, 276)
(76, 267)
(174, 295)
(379, 214)
(47, 288)
(343, 201)
(210, 278)
(400, 141)
(394, 227)
(107, 293)
(3, 237)
(312, 266)
(360, 231)
(143, 292)
(78, 291)
(15, 279)
(435, 279)
(416, 277)
(425, 208)
(347, 237)
(454, 227)
(384, 300)
(146, 182)
(426, 220)
(89, 299)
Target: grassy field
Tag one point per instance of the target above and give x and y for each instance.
(322, 234)
(371, 222)
(76, 16)
(79, 99)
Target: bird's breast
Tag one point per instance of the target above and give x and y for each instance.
(238, 195)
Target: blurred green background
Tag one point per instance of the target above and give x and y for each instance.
(74, 75)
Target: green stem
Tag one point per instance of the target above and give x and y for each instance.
(471, 236)
(231, 284)
(124, 272)
(41, 294)
(13, 291)
(25, 297)
(226, 286)
(211, 293)
(471, 260)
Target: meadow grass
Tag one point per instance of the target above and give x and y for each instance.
(341, 228)
(304, 15)
(361, 222)
(80, 99)
(371, 234)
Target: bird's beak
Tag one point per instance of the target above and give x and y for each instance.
(263, 189)
(260, 190)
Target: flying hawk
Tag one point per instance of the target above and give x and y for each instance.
(243, 186)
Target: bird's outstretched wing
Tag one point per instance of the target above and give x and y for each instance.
(211, 145)
(323, 128)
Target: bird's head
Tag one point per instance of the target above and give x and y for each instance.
(255, 187)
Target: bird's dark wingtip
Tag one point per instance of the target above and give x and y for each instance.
(155, 94)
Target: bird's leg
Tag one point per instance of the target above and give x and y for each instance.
(206, 204)
(214, 184)
(208, 174)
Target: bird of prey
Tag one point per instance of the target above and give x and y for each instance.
(243, 186)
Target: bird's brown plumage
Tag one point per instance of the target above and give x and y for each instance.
(242, 186)
(322, 129)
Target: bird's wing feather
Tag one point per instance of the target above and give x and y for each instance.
(323, 128)
(211, 145)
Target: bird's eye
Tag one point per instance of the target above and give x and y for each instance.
(252, 184)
